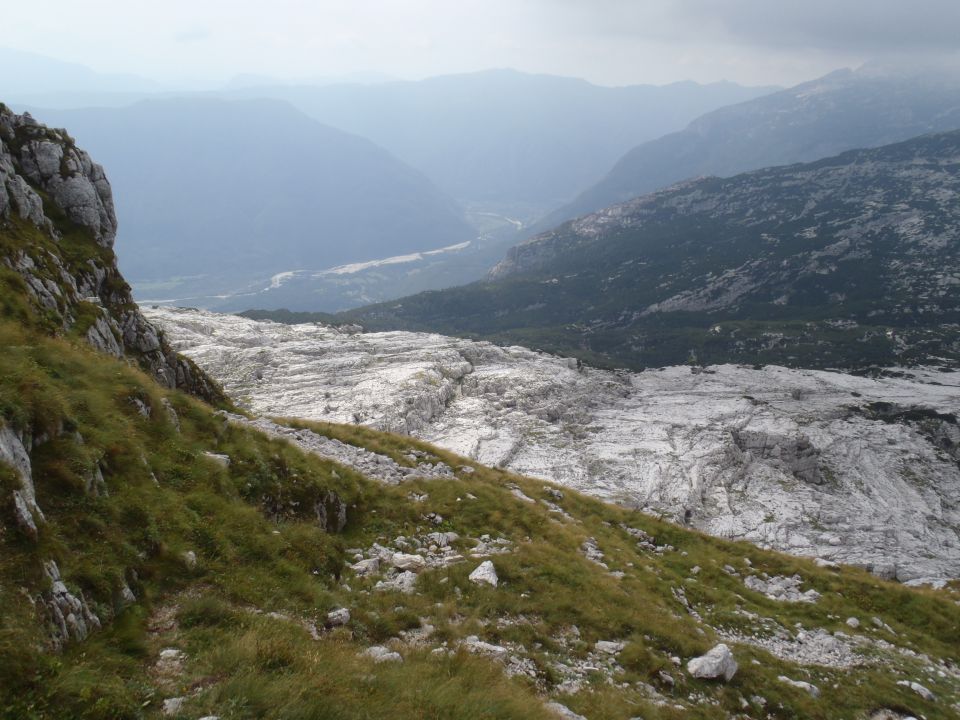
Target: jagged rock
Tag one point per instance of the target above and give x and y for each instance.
(94, 483)
(101, 337)
(72, 618)
(381, 654)
(485, 574)
(173, 706)
(610, 647)
(126, 595)
(171, 413)
(35, 159)
(443, 539)
(405, 582)
(331, 512)
(812, 690)
(806, 647)
(475, 645)
(338, 617)
(918, 689)
(784, 589)
(414, 563)
(592, 552)
(143, 409)
(795, 454)
(14, 454)
(717, 663)
(170, 663)
(563, 712)
(366, 567)
(519, 494)
(374, 465)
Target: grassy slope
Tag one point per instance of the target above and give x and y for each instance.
(260, 551)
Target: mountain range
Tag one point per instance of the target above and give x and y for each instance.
(847, 109)
(167, 556)
(849, 261)
(506, 140)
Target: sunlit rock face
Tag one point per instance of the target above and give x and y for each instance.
(852, 469)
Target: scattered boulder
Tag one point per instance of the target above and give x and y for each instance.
(414, 563)
(141, 407)
(477, 646)
(126, 595)
(563, 712)
(717, 663)
(591, 550)
(404, 582)
(366, 567)
(918, 689)
(610, 647)
(485, 573)
(381, 654)
(810, 689)
(784, 589)
(338, 617)
(173, 706)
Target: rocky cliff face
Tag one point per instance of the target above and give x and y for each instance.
(852, 469)
(57, 228)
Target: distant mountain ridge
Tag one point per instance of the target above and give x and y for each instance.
(25, 73)
(507, 137)
(846, 109)
(846, 262)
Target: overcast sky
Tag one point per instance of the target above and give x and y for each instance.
(606, 41)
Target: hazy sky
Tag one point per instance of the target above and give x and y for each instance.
(606, 41)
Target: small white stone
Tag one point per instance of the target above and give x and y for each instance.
(338, 617)
(918, 689)
(173, 706)
(718, 662)
(812, 690)
(485, 573)
(610, 647)
(380, 654)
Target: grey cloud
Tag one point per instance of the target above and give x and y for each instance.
(865, 26)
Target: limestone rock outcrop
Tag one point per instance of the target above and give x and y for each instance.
(15, 455)
(57, 208)
(717, 663)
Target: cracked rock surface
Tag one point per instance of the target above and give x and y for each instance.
(803, 461)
